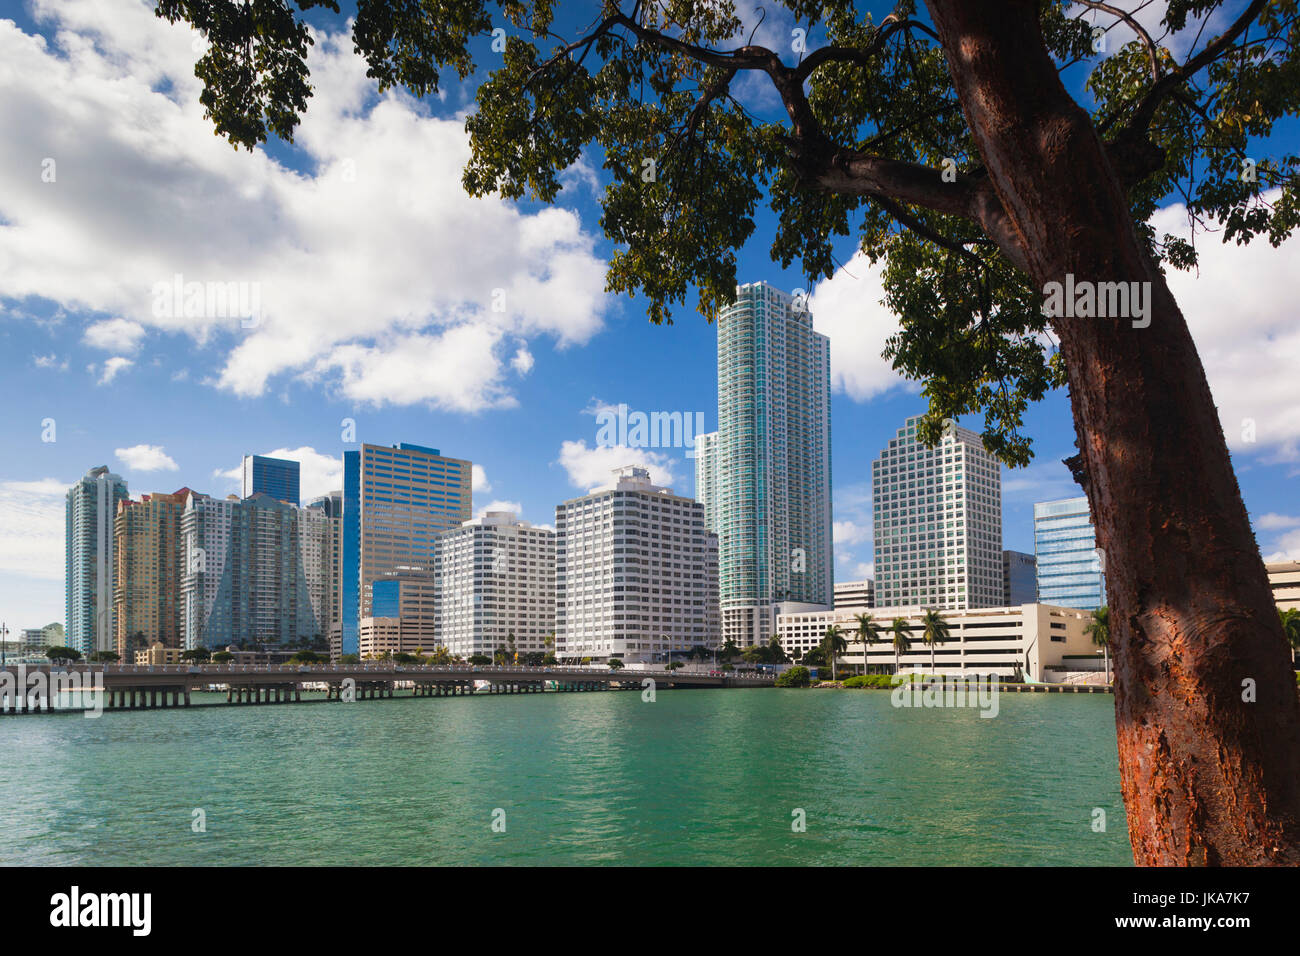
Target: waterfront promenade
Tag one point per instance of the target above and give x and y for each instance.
(136, 687)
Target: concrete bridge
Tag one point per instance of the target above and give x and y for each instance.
(135, 687)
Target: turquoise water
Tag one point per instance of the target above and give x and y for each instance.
(696, 777)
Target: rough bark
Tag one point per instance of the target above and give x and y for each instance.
(1209, 777)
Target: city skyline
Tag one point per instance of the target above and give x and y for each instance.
(168, 400)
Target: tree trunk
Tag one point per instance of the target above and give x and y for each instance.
(1205, 701)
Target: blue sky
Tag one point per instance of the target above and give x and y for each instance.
(376, 277)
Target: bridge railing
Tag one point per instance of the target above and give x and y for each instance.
(401, 670)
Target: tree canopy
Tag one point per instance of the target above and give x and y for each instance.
(874, 143)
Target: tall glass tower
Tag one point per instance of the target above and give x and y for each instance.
(1070, 570)
(770, 465)
(277, 477)
(396, 501)
(90, 511)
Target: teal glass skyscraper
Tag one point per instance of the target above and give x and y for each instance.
(765, 480)
(1071, 572)
(90, 511)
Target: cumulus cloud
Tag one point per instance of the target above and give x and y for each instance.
(512, 506)
(375, 275)
(112, 367)
(479, 480)
(847, 309)
(523, 361)
(146, 458)
(850, 533)
(1241, 311)
(318, 473)
(114, 335)
(590, 468)
(50, 361)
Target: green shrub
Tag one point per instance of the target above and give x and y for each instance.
(794, 677)
(872, 680)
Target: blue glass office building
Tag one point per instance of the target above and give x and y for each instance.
(1069, 568)
(277, 477)
(396, 502)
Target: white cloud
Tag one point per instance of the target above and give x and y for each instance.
(1047, 480)
(847, 308)
(479, 480)
(590, 468)
(111, 367)
(50, 361)
(376, 274)
(114, 335)
(1241, 312)
(1277, 522)
(848, 533)
(523, 361)
(318, 473)
(1149, 15)
(1284, 543)
(32, 528)
(511, 506)
(146, 458)
(1285, 548)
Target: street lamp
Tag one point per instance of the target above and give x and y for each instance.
(4, 644)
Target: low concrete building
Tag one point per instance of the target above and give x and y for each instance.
(157, 654)
(855, 596)
(1284, 578)
(1033, 641)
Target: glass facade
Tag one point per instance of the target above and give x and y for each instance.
(396, 501)
(277, 477)
(765, 479)
(1070, 572)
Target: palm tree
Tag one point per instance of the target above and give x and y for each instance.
(902, 640)
(1291, 627)
(834, 643)
(936, 632)
(868, 633)
(1099, 630)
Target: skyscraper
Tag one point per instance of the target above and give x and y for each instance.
(90, 511)
(496, 586)
(1071, 572)
(636, 573)
(937, 522)
(396, 501)
(706, 477)
(257, 572)
(277, 477)
(771, 484)
(150, 564)
(1019, 578)
(331, 506)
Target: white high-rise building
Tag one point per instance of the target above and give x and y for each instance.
(636, 573)
(496, 586)
(91, 508)
(766, 479)
(706, 477)
(938, 522)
